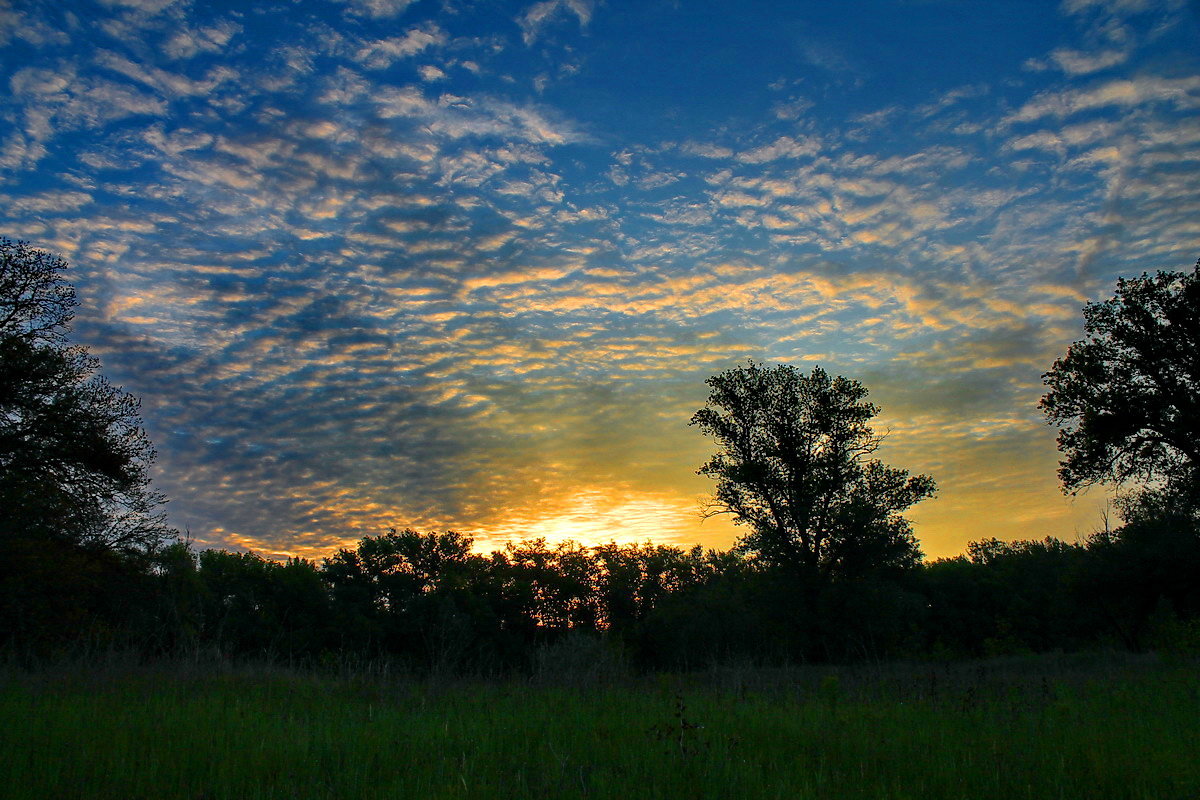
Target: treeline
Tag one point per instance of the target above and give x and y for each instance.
(428, 601)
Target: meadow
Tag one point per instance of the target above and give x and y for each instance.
(1032, 727)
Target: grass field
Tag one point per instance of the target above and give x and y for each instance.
(1024, 728)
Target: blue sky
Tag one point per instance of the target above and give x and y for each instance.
(466, 265)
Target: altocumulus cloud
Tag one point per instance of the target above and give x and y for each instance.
(378, 262)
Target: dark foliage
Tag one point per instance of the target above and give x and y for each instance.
(74, 460)
(1127, 396)
(428, 601)
(1145, 574)
(36, 301)
(79, 517)
(795, 465)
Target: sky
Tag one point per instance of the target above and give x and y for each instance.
(449, 264)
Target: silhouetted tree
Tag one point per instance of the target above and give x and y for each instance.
(1127, 396)
(796, 465)
(726, 610)
(253, 605)
(1148, 567)
(36, 301)
(78, 519)
(177, 615)
(423, 595)
(74, 460)
(634, 578)
(1005, 597)
(556, 585)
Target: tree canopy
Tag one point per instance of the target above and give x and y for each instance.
(74, 459)
(36, 301)
(796, 465)
(1127, 396)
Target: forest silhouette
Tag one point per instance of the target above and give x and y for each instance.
(828, 569)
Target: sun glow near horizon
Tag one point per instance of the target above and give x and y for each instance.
(600, 515)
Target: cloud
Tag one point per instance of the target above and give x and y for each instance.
(19, 153)
(30, 29)
(706, 150)
(538, 16)
(1182, 93)
(382, 53)
(214, 38)
(377, 9)
(47, 202)
(945, 101)
(792, 109)
(826, 56)
(783, 147)
(168, 83)
(430, 73)
(459, 117)
(39, 81)
(146, 6)
(1076, 62)
(1108, 6)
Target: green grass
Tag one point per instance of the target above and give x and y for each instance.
(1031, 729)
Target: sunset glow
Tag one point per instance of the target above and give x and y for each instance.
(600, 516)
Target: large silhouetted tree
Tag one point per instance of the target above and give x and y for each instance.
(796, 465)
(1127, 396)
(74, 459)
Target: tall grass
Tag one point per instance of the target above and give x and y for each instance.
(1028, 729)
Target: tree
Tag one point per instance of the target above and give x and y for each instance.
(416, 594)
(795, 465)
(74, 459)
(556, 585)
(1127, 397)
(36, 302)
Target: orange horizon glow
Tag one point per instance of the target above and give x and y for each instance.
(595, 516)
